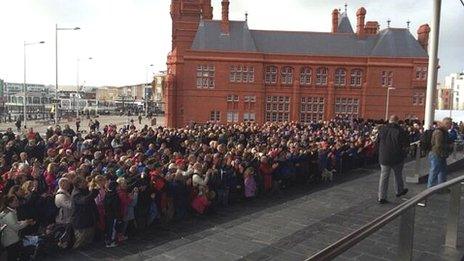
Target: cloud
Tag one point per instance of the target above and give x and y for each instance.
(125, 36)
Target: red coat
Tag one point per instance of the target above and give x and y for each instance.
(266, 171)
(50, 179)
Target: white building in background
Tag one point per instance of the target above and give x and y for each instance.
(38, 103)
(158, 89)
(455, 82)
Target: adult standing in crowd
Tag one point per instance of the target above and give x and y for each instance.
(393, 141)
(84, 216)
(439, 152)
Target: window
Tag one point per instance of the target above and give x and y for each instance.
(249, 102)
(232, 108)
(232, 102)
(340, 77)
(232, 117)
(270, 75)
(321, 76)
(356, 78)
(277, 108)
(305, 76)
(287, 75)
(215, 116)
(347, 107)
(311, 109)
(418, 98)
(415, 99)
(249, 116)
(421, 73)
(387, 78)
(205, 76)
(239, 73)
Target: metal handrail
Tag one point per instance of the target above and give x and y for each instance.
(355, 237)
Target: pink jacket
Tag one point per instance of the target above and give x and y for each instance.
(125, 200)
(250, 187)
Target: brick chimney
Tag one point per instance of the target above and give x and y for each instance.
(225, 26)
(335, 14)
(361, 15)
(206, 9)
(423, 36)
(372, 27)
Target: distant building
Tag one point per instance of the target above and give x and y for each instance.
(223, 71)
(443, 97)
(38, 104)
(133, 98)
(158, 90)
(455, 83)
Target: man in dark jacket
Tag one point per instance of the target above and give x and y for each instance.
(84, 212)
(112, 214)
(393, 141)
(441, 149)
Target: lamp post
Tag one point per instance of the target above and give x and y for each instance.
(56, 68)
(388, 101)
(24, 87)
(78, 89)
(144, 89)
(433, 66)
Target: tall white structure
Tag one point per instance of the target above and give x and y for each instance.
(455, 82)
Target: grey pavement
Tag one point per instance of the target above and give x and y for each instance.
(41, 126)
(291, 227)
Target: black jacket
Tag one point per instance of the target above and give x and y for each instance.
(112, 205)
(84, 210)
(393, 142)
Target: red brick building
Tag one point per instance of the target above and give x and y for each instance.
(220, 70)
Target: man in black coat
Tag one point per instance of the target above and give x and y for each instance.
(84, 212)
(392, 141)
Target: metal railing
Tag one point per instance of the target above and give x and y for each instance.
(406, 213)
(421, 164)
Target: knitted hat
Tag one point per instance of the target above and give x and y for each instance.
(112, 186)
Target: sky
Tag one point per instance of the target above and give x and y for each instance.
(125, 37)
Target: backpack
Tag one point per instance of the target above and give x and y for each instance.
(426, 140)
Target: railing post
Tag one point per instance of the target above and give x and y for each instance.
(406, 235)
(417, 164)
(453, 216)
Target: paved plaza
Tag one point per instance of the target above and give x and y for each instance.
(290, 227)
(41, 126)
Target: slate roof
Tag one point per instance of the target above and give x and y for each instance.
(389, 42)
(344, 25)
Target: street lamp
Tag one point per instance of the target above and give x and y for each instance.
(56, 63)
(78, 87)
(388, 101)
(24, 87)
(144, 89)
(433, 65)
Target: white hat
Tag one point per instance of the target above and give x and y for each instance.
(172, 166)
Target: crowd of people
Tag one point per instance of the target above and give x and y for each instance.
(67, 188)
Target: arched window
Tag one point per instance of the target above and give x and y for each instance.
(340, 77)
(305, 76)
(270, 75)
(356, 77)
(321, 76)
(287, 75)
